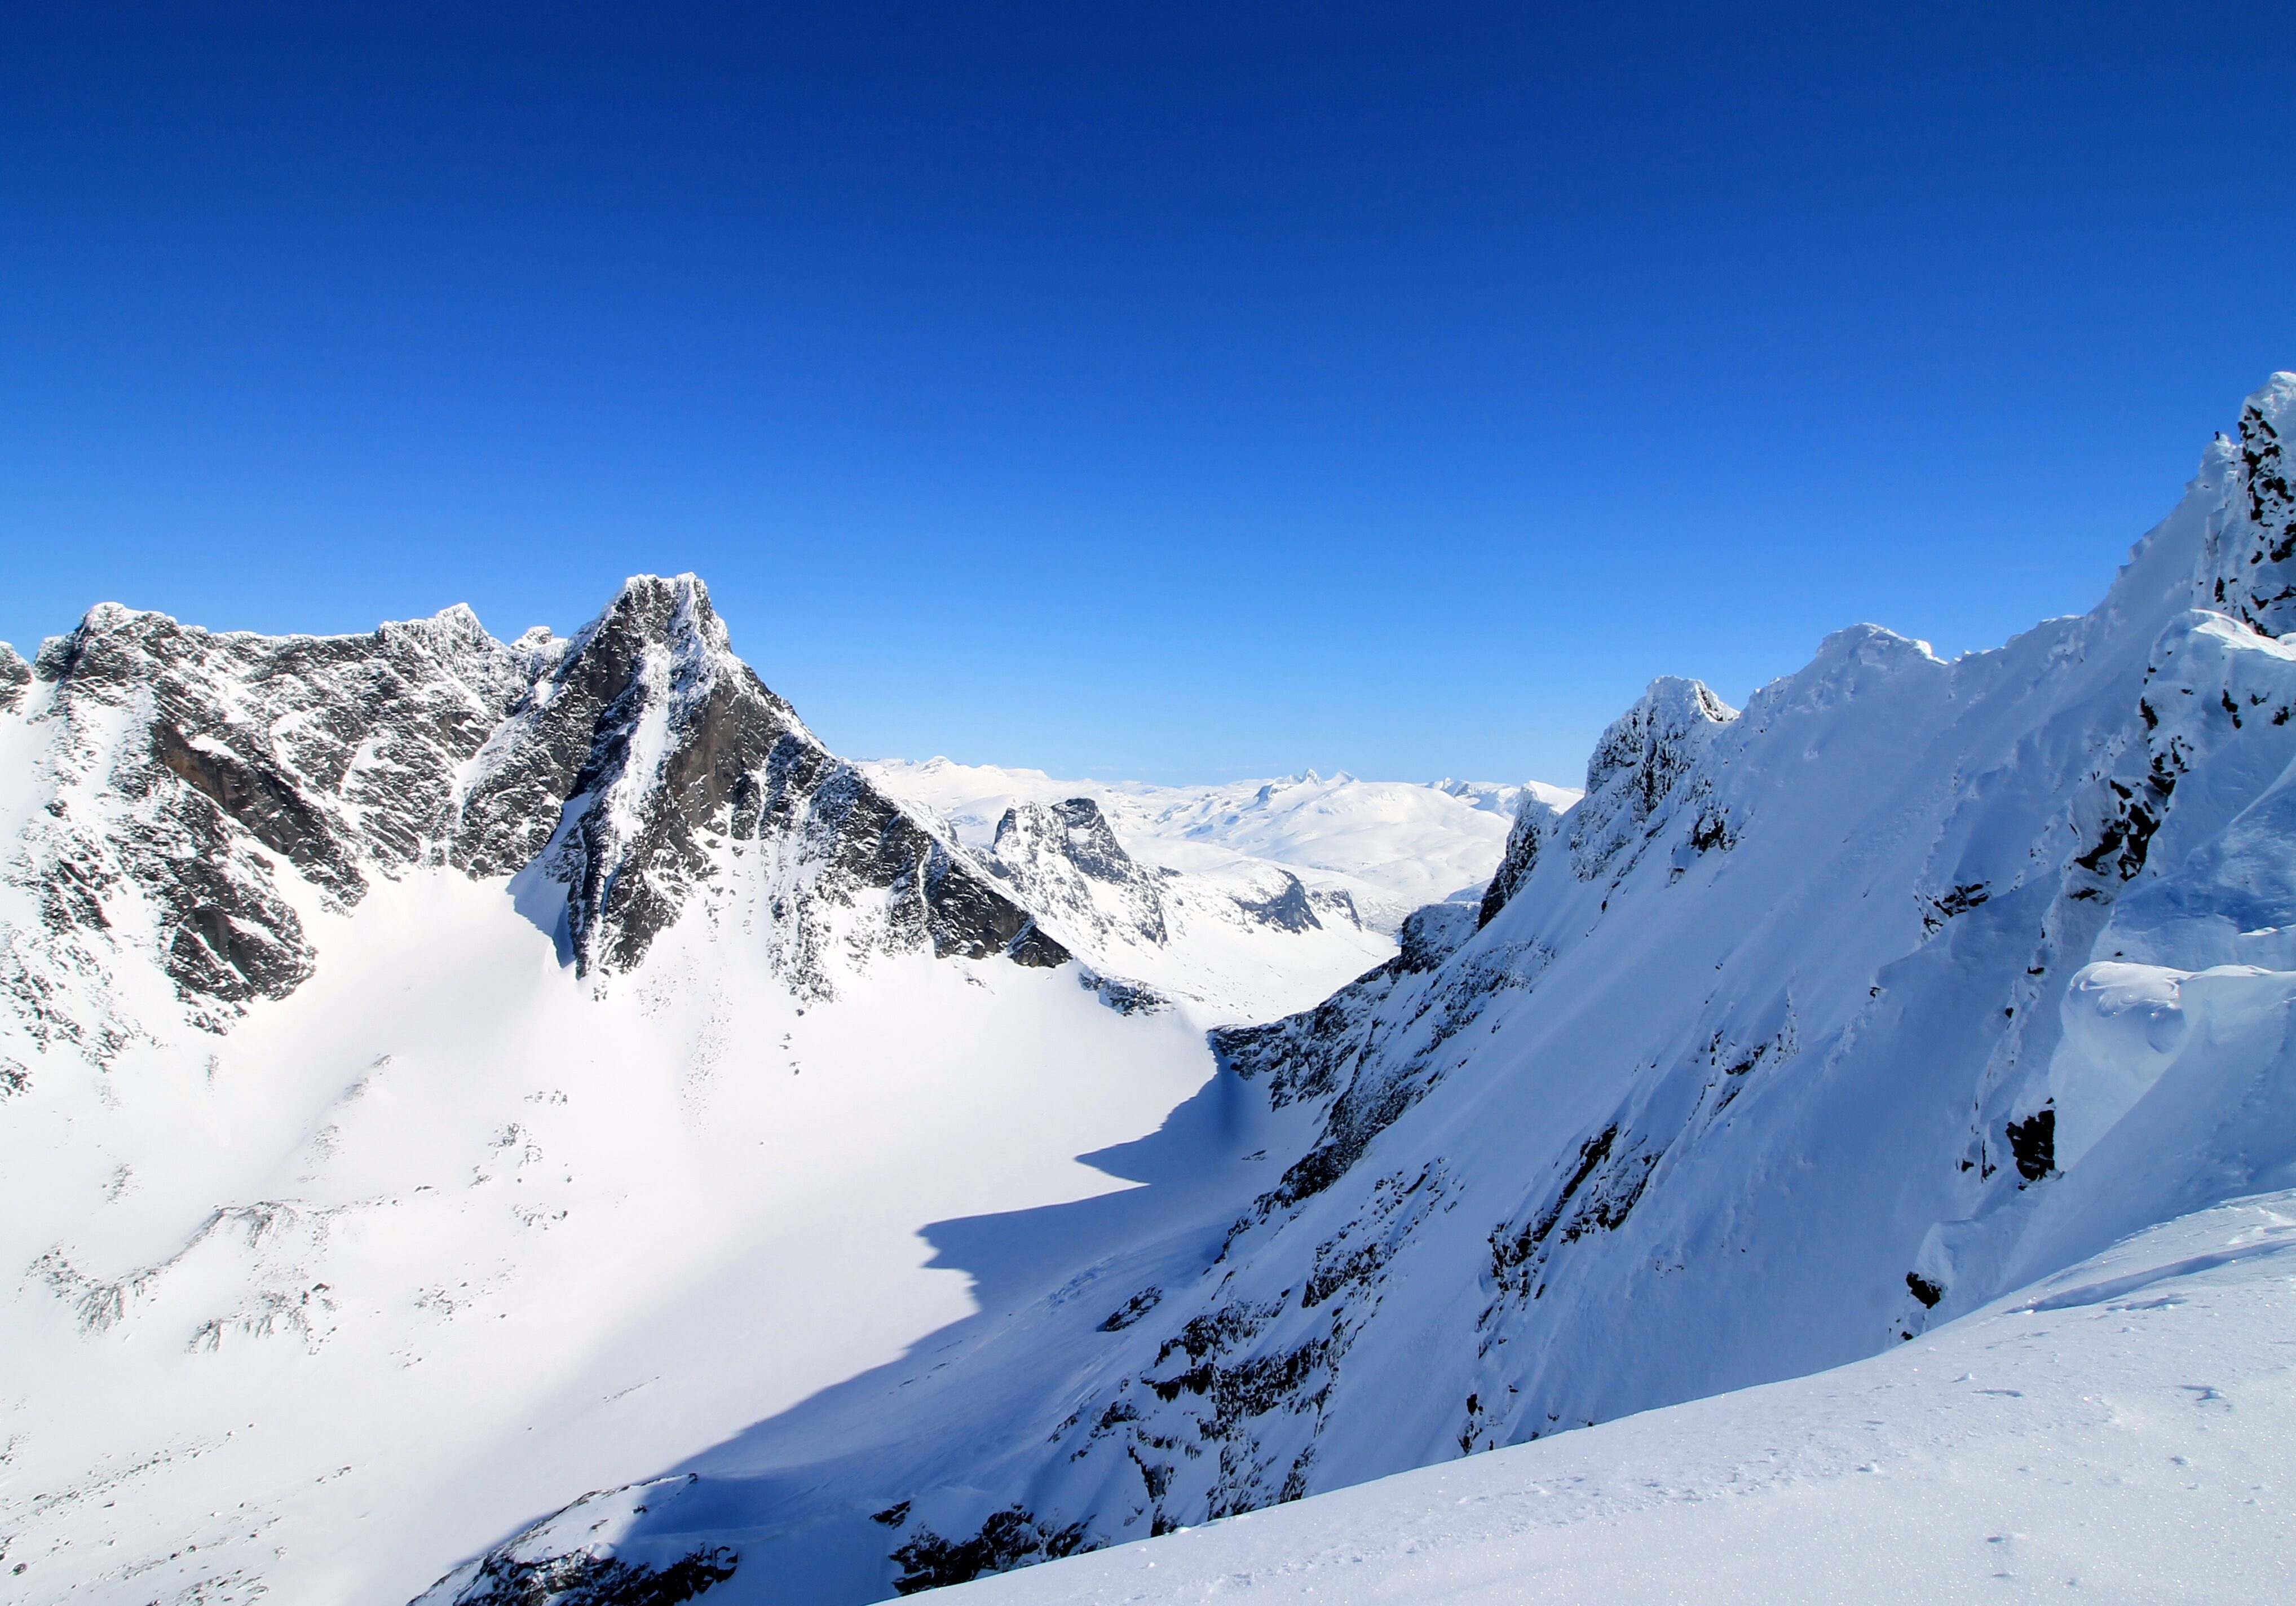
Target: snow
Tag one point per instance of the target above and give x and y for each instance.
(2125, 1431)
(484, 1237)
(1755, 1073)
(1854, 1141)
(1391, 845)
(399, 1256)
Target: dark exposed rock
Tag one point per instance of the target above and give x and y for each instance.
(1138, 1306)
(583, 1579)
(1534, 824)
(15, 675)
(1288, 909)
(2256, 578)
(1125, 997)
(2033, 1143)
(1007, 1540)
(1432, 933)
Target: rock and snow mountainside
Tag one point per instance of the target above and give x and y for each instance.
(2118, 1432)
(436, 1072)
(1809, 1027)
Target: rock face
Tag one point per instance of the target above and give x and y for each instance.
(1061, 858)
(200, 795)
(1809, 1026)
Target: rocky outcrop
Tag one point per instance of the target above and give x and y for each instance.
(1063, 859)
(1635, 768)
(2248, 568)
(15, 675)
(1535, 821)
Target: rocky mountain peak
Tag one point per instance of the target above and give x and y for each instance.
(189, 774)
(1638, 763)
(1063, 859)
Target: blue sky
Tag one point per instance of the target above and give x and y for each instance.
(1183, 392)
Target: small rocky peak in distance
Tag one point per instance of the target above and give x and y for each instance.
(15, 675)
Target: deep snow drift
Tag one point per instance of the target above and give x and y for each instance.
(1809, 1027)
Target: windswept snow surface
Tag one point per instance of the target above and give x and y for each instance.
(2124, 1431)
(1390, 845)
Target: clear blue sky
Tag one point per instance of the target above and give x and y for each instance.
(1173, 390)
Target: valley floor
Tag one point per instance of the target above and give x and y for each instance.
(2125, 1430)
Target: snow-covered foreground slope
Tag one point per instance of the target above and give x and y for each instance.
(439, 1076)
(313, 1309)
(1808, 1026)
(1389, 845)
(2124, 1431)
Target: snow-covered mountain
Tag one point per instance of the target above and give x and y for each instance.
(436, 1071)
(1810, 1027)
(1389, 846)
(1178, 886)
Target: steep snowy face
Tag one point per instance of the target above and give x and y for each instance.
(183, 800)
(2072, 1405)
(1809, 1026)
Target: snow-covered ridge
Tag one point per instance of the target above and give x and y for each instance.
(1810, 1027)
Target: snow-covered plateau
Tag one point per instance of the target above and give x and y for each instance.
(524, 1123)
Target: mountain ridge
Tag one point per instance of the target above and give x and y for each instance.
(1750, 1063)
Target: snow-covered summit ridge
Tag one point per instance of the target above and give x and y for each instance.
(1812, 1027)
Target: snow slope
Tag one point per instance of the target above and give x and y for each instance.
(1807, 1027)
(2124, 1431)
(304, 1312)
(435, 1070)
